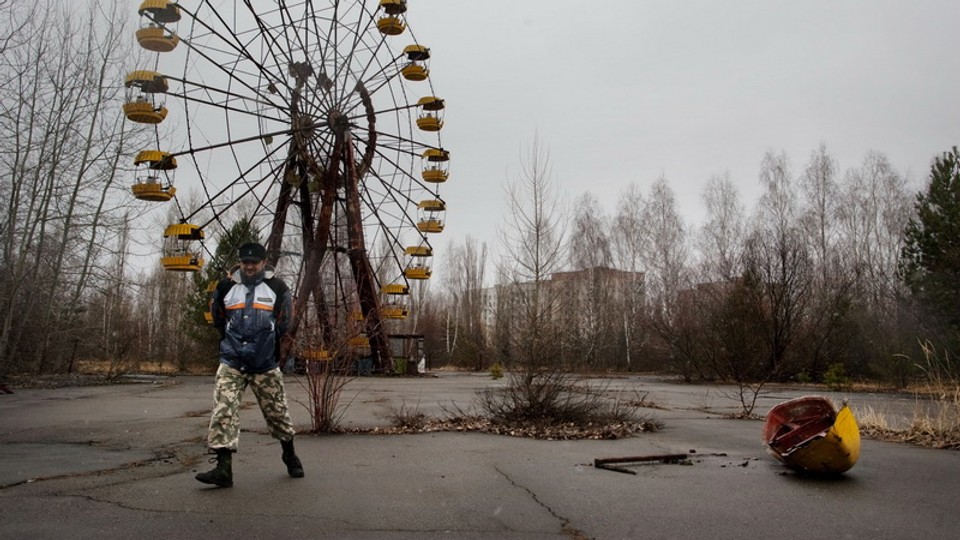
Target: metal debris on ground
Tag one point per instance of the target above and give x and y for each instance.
(610, 464)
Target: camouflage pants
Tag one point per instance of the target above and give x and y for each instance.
(224, 429)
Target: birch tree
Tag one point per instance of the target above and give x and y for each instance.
(777, 265)
(533, 242)
(592, 288)
(59, 162)
(467, 332)
(875, 209)
(628, 243)
(665, 260)
(722, 233)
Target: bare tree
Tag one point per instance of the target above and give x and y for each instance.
(628, 237)
(722, 233)
(667, 273)
(875, 209)
(533, 241)
(666, 259)
(467, 332)
(59, 170)
(828, 329)
(528, 303)
(589, 239)
(776, 263)
(821, 191)
(592, 289)
(629, 243)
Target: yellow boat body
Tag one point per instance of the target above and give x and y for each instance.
(833, 451)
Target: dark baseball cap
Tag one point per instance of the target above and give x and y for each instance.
(252, 252)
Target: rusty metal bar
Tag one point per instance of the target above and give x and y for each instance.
(608, 463)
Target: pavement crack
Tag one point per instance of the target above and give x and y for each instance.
(566, 528)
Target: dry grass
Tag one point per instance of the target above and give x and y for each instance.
(935, 422)
(103, 372)
(940, 429)
(936, 418)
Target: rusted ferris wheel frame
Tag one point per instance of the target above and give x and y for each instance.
(319, 78)
(316, 229)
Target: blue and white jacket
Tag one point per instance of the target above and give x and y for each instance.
(251, 315)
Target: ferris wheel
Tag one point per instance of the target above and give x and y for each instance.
(321, 116)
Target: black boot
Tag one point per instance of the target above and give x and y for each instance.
(290, 459)
(222, 474)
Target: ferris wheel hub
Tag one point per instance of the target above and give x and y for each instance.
(338, 122)
(305, 126)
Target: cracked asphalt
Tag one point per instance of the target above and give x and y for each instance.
(118, 462)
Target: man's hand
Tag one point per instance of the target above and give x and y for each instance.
(286, 345)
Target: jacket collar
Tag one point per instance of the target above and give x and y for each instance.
(237, 276)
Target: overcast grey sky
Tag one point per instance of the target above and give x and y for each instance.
(621, 92)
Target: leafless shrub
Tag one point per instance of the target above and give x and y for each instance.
(324, 382)
(641, 401)
(552, 397)
(746, 395)
(405, 417)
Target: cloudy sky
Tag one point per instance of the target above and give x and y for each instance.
(623, 92)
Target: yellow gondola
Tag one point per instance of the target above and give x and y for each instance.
(418, 263)
(153, 37)
(315, 355)
(395, 306)
(394, 311)
(141, 105)
(393, 23)
(208, 314)
(417, 68)
(431, 216)
(154, 176)
(394, 7)
(359, 342)
(430, 118)
(395, 288)
(161, 11)
(178, 255)
(318, 361)
(436, 168)
(808, 434)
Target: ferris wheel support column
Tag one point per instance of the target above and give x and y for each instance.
(360, 265)
(275, 240)
(314, 253)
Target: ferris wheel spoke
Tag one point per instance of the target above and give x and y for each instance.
(398, 108)
(287, 22)
(315, 21)
(404, 146)
(230, 185)
(225, 107)
(380, 78)
(232, 142)
(233, 44)
(392, 197)
(358, 34)
(273, 45)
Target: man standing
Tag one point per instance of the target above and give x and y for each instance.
(251, 310)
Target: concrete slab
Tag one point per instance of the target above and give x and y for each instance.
(118, 462)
